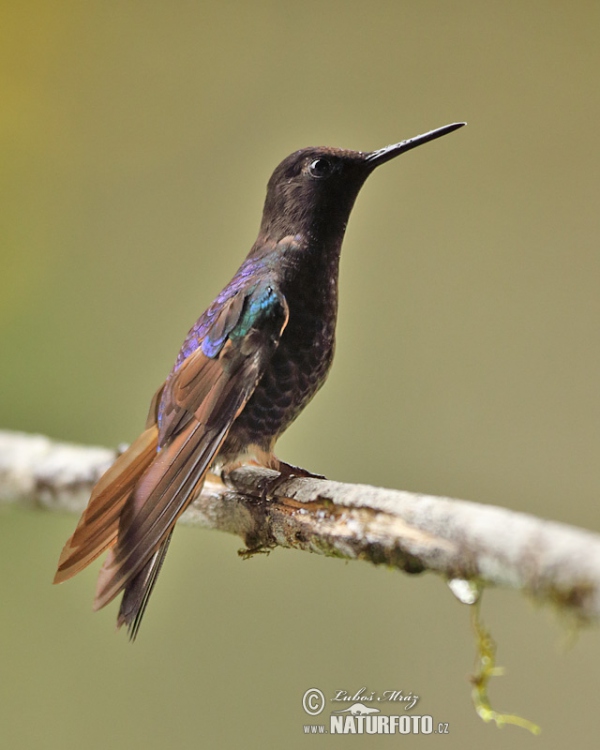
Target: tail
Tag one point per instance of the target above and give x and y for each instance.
(146, 522)
(137, 593)
(133, 510)
(98, 526)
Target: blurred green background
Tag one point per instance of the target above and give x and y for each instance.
(136, 142)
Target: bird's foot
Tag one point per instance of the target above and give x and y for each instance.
(270, 487)
(288, 471)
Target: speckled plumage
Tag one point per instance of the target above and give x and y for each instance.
(304, 355)
(246, 369)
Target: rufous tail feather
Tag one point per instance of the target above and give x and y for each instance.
(99, 525)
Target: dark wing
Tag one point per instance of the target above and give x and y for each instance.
(199, 404)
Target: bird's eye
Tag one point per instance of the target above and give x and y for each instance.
(320, 168)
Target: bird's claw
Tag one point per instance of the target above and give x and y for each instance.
(269, 487)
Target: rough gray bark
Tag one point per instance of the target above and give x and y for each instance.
(460, 540)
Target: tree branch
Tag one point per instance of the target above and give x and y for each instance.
(483, 544)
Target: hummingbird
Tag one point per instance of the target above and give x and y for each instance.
(247, 368)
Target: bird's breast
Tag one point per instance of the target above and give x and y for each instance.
(295, 373)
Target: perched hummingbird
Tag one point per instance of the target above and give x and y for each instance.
(246, 370)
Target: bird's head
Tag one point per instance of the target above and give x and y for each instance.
(312, 191)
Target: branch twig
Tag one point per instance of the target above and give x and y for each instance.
(454, 538)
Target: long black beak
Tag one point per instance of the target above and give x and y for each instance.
(375, 158)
